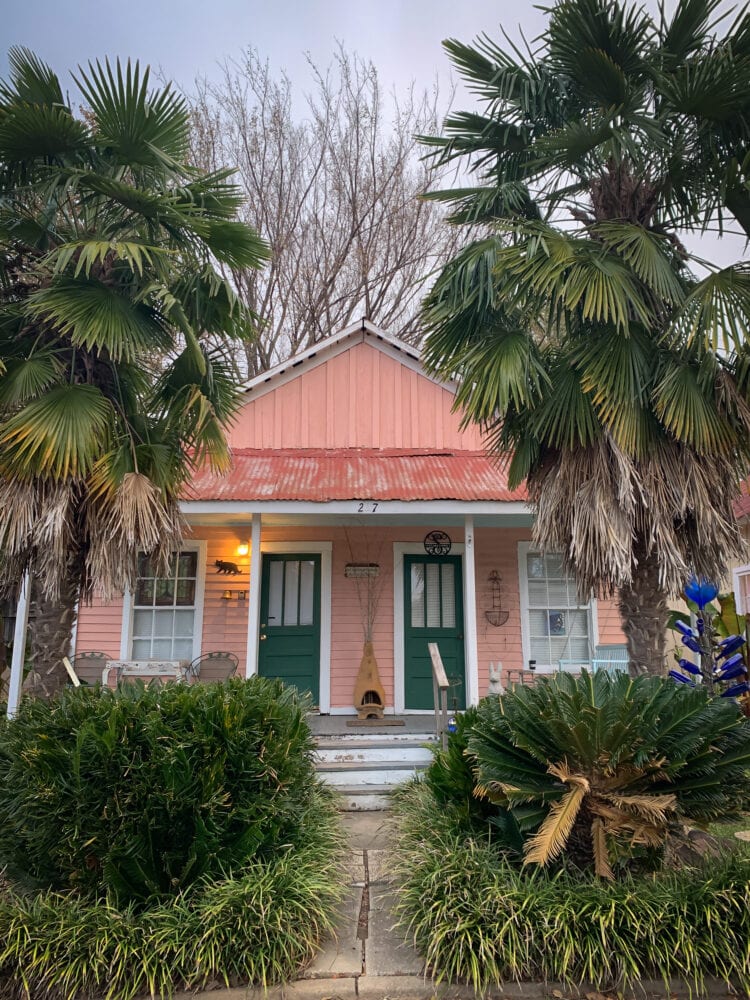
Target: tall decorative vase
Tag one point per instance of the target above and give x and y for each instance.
(369, 696)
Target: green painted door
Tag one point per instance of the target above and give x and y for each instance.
(433, 612)
(289, 646)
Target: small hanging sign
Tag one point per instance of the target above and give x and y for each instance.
(437, 543)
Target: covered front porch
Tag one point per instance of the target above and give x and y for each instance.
(324, 580)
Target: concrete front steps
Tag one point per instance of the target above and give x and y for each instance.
(365, 769)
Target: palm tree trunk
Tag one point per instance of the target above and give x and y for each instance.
(644, 612)
(51, 635)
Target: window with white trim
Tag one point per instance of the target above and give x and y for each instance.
(558, 626)
(164, 609)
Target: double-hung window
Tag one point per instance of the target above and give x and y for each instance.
(557, 625)
(164, 609)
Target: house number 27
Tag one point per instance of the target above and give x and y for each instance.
(367, 506)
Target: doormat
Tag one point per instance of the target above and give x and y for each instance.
(374, 723)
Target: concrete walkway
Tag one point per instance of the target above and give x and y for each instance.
(365, 945)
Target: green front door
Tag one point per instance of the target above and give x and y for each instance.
(289, 646)
(433, 612)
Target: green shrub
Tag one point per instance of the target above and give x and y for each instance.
(258, 926)
(476, 917)
(600, 768)
(142, 792)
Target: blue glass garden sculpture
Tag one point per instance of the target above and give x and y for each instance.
(721, 665)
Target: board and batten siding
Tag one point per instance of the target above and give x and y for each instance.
(361, 398)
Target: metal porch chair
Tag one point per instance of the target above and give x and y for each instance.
(89, 666)
(217, 666)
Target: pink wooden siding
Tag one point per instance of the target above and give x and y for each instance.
(359, 399)
(99, 628)
(225, 622)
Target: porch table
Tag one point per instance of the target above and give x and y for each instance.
(145, 670)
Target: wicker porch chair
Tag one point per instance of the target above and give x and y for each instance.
(218, 666)
(90, 666)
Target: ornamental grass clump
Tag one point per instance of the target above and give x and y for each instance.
(477, 917)
(138, 794)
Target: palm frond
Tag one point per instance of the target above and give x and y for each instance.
(142, 128)
(550, 839)
(97, 316)
(31, 80)
(602, 867)
(56, 436)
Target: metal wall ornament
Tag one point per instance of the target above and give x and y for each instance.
(495, 614)
(437, 543)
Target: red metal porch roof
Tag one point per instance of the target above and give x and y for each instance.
(356, 474)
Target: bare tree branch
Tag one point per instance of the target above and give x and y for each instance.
(336, 195)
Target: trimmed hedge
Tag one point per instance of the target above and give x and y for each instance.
(160, 838)
(142, 792)
(478, 918)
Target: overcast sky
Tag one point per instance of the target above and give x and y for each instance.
(188, 38)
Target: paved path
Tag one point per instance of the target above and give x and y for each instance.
(365, 945)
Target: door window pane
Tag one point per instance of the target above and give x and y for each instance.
(275, 592)
(291, 591)
(448, 595)
(306, 591)
(417, 595)
(432, 595)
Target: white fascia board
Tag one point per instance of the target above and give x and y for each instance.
(356, 507)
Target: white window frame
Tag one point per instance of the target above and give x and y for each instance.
(523, 590)
(737, 573)
(128, 608)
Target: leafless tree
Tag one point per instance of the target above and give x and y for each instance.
(334, 188)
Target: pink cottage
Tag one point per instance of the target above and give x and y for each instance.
(357, 509)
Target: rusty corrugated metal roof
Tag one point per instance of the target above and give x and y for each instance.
(320, 475)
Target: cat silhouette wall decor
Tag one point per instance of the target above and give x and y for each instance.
(228, 568)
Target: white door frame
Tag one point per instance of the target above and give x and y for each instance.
(324, 550)
(401, 549)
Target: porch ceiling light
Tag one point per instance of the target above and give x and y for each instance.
(242, 549)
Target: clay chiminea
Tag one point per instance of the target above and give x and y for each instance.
(369, 696)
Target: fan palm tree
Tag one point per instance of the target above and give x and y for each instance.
(116, 380)
(588, 347)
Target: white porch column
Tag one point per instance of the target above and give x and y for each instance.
(470, 614)
(19, 647)
(253, 603)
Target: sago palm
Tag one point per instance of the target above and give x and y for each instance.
(600, 766)
(588, 347)
(116, 380)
